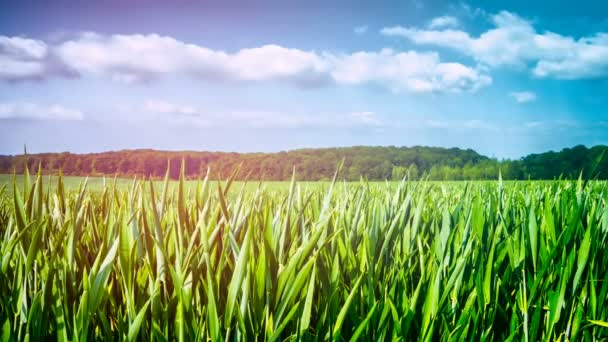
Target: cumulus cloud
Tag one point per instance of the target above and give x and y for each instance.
(515, 42)
(136, 58)
(28, 59)
(409, 71)
(29, 111)
(418, 72)
(523, 96)
(144, 58)
(443, 22)
(360, 29)
(21, 58)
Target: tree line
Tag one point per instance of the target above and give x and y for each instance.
(373, 163)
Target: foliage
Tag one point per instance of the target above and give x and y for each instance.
(311, 164)
(373, 163)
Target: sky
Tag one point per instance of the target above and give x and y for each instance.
(505, 78)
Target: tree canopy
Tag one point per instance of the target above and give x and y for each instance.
(373, 163)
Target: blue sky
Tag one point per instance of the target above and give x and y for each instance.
(503, 78)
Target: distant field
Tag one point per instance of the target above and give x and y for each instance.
(97, 183)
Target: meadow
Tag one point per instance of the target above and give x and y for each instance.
(206, 260)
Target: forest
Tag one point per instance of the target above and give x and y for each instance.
(373, 163)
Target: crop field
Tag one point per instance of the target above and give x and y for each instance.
(206, 260)
(98, 184)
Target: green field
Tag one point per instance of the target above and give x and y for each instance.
(97, 184)
(198, 260)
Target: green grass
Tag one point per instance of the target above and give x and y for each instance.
(519, 261)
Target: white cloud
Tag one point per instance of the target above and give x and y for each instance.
(142, 58)
(523, 96)
(21, 58)
(406, 71)
(29, 59)
(515, 42)
(360, 29)
(29, 111)
(443, 22)
(114, 56)
(23, 48)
